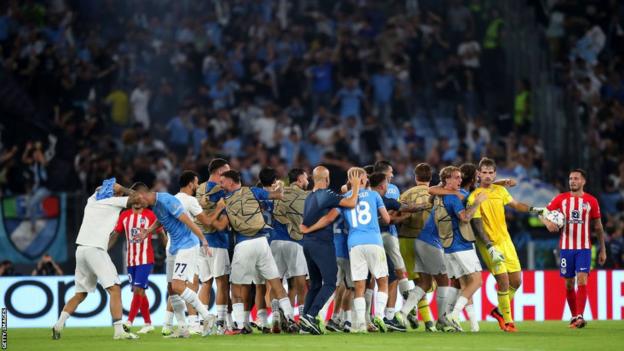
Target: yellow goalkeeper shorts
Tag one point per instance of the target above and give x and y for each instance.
(511, 263)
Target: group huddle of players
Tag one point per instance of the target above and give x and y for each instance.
(252, 241)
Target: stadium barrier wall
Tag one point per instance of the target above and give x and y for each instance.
(37, 301)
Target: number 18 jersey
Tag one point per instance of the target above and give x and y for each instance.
(362, 220)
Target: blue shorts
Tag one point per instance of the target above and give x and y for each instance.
(574, 261)
(138, 275)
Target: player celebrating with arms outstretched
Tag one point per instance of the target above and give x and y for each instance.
(579, 209)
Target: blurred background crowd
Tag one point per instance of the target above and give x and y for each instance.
(144, 89)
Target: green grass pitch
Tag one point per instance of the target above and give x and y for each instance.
(604, 335)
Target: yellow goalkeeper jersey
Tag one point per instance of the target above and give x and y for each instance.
(492, 211)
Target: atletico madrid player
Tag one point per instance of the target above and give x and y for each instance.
(580, 209)
(140, 257)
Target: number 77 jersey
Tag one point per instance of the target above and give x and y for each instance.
(362, 222)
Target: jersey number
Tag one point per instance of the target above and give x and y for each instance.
(361, 214)
(178, 265)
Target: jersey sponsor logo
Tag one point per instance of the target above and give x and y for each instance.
(32, 229)
(576, 217)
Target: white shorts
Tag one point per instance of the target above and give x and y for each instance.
(393, 250)
(253, 262)
(344, 272)
(214, 266)
(289, 258)
(94, 265)
(184, 264)
(365, 258)
(429, 259)
(169, 264)
(462, 263)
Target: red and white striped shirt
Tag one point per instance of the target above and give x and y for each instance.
(130, 223)
(579, 211)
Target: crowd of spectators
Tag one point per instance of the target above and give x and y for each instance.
(143, 89)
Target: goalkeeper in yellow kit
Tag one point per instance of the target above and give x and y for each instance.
(494, 242)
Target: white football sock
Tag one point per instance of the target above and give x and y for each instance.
(412, 300)
(179, 306)
(380, 304)
(359, 306)
(472, 316)
(191, 298)
(61, 321)
(238, 314)
(221, 312)
(348, 316)
(368, 299)
(389, 313)
(118, 327)
(459, 305)
(230, 320)
(405, 285)
(286, 307)
(168, 318)
(451, 297)
(441, 298)
(262, 317)
(301, 308)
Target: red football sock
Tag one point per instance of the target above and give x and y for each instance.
(581, 298)
(571, 297)
(145, 310)
(134, 307)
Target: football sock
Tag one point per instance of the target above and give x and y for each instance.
(504, 305)
(284, 304)
(380, 304)
(451, 297)
(137, 300)
(581, 299)
(221, 312)
(389, 313)
(459, 305)
(512, 293)
(571, 297)
(441, 298)
(262, 317)
(413, 298)
(238, 314)
(168, 318)
(145, 312)
(191, 297)
(118, 327)
(368, 299)
(423, 310)
(61, 321)
(359, 305)
(179, 307)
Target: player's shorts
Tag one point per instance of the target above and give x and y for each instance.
(511, 263)
(462, 263)
(214, 266)
(94, 265)
(185, 264)
(429, 259)
(574, 261)
(139, 275)
(365, 258)
(289, 258)
(409, 255)
(393, 250)
(253, 262)
(169, 264)
(344, 272)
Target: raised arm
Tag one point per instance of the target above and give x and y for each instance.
(323, 222)
(506, 182)
(351, 201)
